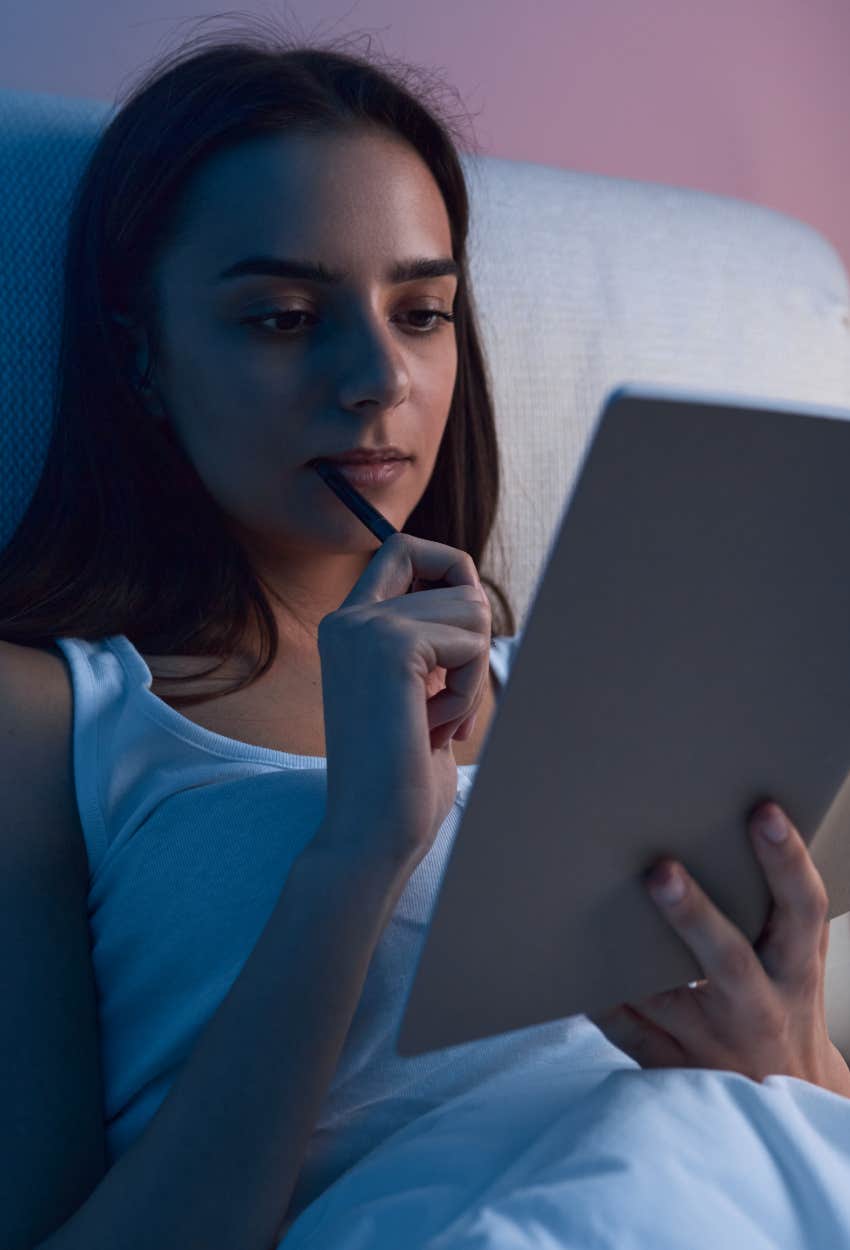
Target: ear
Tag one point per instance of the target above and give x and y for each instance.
(135, 334)
(137, 340)
(139, 346)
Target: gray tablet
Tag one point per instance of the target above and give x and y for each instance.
(686, 655)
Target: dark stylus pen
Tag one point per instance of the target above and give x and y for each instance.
(371, 517)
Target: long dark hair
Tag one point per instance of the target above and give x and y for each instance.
(121, 535)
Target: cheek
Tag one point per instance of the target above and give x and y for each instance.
(235, 373)
(232, 452)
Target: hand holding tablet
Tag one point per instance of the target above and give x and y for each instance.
(759, 1011)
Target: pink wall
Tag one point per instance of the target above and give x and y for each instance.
(748, 98)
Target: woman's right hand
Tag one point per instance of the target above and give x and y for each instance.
(391, 772)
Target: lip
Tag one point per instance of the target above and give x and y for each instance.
(363, 455)
(376, 473)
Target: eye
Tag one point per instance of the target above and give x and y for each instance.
(279, 314)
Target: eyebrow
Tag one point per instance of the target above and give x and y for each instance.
(314, 271)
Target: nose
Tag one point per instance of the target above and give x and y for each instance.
(377, 373)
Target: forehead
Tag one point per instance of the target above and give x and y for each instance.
(334, 197)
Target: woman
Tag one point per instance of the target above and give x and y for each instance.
(266, 265)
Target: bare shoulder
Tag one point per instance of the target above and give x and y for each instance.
(35, 694)
(20, 664)
(50, 1062)
(36, 748)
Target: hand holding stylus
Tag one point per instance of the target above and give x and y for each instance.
(388, 744)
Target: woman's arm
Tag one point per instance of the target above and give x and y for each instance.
(216, 1167)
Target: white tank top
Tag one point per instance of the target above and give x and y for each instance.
(190, 836)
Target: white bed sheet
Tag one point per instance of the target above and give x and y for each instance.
(664, 1159)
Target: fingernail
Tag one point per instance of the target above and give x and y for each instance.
(771, 824)
(667, 885)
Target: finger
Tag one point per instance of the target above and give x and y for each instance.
(790, 949)
(679, 1013)
(725, 956)
(452, 709)
(447, 729)
(466, 727)
(462, 695)
(403, 558)
(626, 1028)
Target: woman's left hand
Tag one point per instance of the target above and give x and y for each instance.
(760, 1009)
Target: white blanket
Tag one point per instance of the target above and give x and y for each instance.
(665, 1159)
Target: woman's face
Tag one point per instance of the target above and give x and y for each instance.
(258, 372)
